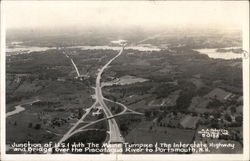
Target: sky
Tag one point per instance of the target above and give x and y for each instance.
(54, 14)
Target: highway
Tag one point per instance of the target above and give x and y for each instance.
(114, 131)
(69, 133)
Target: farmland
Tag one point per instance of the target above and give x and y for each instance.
(176, 90)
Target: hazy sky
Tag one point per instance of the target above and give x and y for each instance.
(53, 14)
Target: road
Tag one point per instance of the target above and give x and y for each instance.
(73, 63)
(77, 71)
(114, 131)
(69, 133)
(125, 108)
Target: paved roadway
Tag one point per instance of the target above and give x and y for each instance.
(77, 71)
(114, 131)
(69, 133)
(73, 63)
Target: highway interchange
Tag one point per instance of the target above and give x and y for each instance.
(114, 134)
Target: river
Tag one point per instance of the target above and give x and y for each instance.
(27, 49)
(106, 47)
(19, 108)
(213, 53)
(19, 49)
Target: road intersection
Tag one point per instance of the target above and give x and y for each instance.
(114, 131)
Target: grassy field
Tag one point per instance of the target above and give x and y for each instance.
(170, 86)
(26, 87)
(146, 132)
(18, 130)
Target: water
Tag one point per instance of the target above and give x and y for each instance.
(118, 42)
(18, 109)
(212, 53)
(106, 47)
(27, 49)
(144, 48)
(16, 47)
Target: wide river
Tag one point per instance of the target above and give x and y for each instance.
(213, 53)
(27, 49)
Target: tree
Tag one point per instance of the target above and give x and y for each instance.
(124, 128)
(214, 124)
(233, 109)
(112, 108)
(147, 114)
(30, 125)
(80, 113)
(239, 119)
(150, 128)
(38, 126)
(228, 118)
(159, 118)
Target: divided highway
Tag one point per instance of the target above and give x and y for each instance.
(114, 131)
(115, 136)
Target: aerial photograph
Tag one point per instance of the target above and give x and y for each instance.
(123, 77)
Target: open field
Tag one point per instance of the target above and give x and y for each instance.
(146, 132)
(176, 89)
